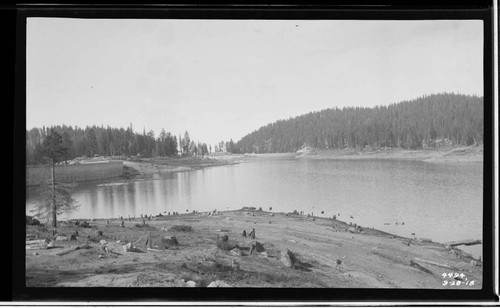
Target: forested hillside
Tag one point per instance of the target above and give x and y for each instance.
(426, 121)
(107, 141)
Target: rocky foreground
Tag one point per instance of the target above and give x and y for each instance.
(209, 250)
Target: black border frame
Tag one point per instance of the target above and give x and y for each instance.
(482, 10)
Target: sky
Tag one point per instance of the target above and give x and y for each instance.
(222, 79)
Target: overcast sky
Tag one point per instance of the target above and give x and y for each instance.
(222, 79)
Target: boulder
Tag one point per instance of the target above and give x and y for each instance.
(103, 242)
(219, 284)
(61, 238)
(287, 257)
(352, 230)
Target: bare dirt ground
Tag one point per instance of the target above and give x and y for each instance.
(325, 253)
(443, 154)
(148, 166)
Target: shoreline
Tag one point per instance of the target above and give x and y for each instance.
(368, 257)
(441, 154)
(339, 223)
(444, 154)
(140, 168)
(147, 166)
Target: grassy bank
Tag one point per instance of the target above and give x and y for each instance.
(325, 253)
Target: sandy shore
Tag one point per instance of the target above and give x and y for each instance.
(327, 255)
(445, 154)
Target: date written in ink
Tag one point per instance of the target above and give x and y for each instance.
(456, 279)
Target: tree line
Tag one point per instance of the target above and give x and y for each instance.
(113, 142)
(423, 122)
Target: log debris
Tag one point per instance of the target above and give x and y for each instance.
(465, 243)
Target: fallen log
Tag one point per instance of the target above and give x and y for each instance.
(420, 267)
(424, 239)
(37, 246)
(32, 242)
(465, 243)
(71, 249)
(66, 251)
(435, 263)
(108, 250)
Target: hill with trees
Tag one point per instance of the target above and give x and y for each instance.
(427, 121)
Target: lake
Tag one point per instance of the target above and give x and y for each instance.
(443, 202)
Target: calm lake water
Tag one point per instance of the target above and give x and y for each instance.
(443, 202)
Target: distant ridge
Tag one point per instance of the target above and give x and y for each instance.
(427, 121)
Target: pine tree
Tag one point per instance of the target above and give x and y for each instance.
(55, 197)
